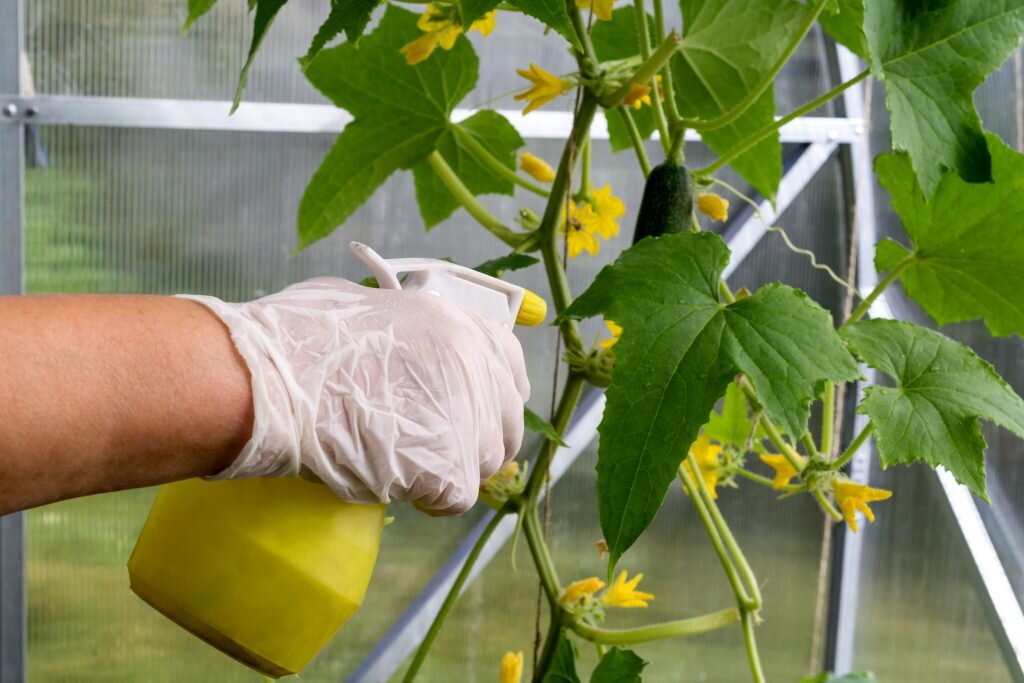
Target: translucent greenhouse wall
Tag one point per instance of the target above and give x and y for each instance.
(166, 211)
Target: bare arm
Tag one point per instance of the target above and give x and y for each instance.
(102, 393)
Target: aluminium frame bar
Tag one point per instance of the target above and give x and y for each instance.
(272, 117)
(13, 624)
(411, 626)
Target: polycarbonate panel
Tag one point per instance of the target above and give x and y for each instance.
(919, 615)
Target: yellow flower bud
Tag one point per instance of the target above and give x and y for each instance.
(536, 167)
(713, 206)
(512, 667)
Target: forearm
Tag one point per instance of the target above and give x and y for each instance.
(101, 393)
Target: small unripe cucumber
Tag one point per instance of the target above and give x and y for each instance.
(667, 206)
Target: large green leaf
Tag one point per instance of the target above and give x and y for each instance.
(932, 56)
(968, 241)
(400, 111)
(497, 135)
(847, 26)
(729, 46)
(474, 9)
(266, 12)
(732, 425)
(552, 13)
(617, 39)
(563, 662)
(196, 9)
(514, 261)
(942, 388)
(618, 666)
(350, 16)
(680, 348)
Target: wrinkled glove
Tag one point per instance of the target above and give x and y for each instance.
(382, 394)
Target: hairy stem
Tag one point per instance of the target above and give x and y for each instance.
(751, 644)
(453, 596)
(581, 30)
(645, 52)
(854, 446)
(462, 195)
(666, 74)
(646, 72)
(645, 634)
(864, 306)
(828, 420)
(585, 186)
(634, 137)
(765, 481)
(548, 650)
(484, 156)
(742, 147)
(759, 89)
(541, 556)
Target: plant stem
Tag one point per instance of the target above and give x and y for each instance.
(854, 446)
(585, 168)
(715, 537)
(647, 70)
(865, 305)
(755, 138)
(581, 30)
(751, 644)
(484, 156)
(453, 595)
(645, 52)
(548, 650)
(670, 629)
(462, 195)
(739, 559)
(766, 81)
(634, 136)
(808, 442)
(666, 73)
(539, 468)
(765, 481)
(828, 420)
(541, 556)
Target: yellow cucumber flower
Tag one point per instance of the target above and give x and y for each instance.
(852, 496)
(512, 667)
(484, 24)
(638, 95)
(602, 8)
(419, 49)
(707, 455)
(616, 333)
(578, 231)
(546, 87)
(713, 206)
(580, 589)
(609, 208)
(435, 18)
(536, 167)
(784, 470)
(623, 593)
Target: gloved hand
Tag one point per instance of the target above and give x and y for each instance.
(382, 394)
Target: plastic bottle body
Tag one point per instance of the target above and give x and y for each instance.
(266, 570)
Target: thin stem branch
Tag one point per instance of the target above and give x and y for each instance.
(854, 446)
(766, 81)
(539, 468)
(636, 139)
(750, 641)
(808, 442)
(647, 70)
(453, 596)
(760, 135)
(680, 628)
(666, 74)
(643, 38)
(589, 54)
(548, 651)
(484, 156)
(462, 195)
(765, 481)
(828, 420)
(541, 556)
(585, 187)
(865, 305)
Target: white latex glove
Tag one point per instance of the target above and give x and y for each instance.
(383, 394)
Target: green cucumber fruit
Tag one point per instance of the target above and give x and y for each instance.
(667, 205)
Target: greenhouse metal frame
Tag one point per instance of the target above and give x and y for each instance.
(817, 138)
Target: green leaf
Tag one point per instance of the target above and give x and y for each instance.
(536, 423)
(864, 677)
(196, 9)
(618, 666)
(732, 425)
(942, 388)
(497, 135)
(847, 26)
(266, 12)
(350, 16)
(613, 40)
(474, 9)
(551, 13)
(729, 47)
(932, 56)
(563, 663)
(968, 241)
(385, 96)
(680, 349)
(514, 261)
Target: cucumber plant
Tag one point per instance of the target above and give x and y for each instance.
(678, 351)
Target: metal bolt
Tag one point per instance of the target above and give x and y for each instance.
(10, 110)
(31, 111)
(859, 130)
(833, 134)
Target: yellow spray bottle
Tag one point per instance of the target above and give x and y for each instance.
(268, 570)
